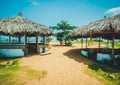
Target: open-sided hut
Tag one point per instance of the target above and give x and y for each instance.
(108, 28)
(21, 27)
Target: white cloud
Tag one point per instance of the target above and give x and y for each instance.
(113, 11)
(34, 2)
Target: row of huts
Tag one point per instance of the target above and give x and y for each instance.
(19, 27)
(107, 28)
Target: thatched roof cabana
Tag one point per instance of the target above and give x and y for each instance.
(102, 26)
(108, 27)
(20, 26)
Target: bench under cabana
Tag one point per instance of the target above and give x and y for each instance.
(107, 28)
(22, 29)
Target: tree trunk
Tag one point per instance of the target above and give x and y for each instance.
(65, 42)
(60, 42)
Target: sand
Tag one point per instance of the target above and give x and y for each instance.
(63, 64)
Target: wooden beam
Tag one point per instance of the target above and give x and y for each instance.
(19, 39)
(37, 45)
(43, 44)
(107, 32)
(99, 43)
(112, 55)
(82, 43)
(25, 41)
(113, 44)
(86, 42)
(9, 39)
(107, 43)
(0, 38)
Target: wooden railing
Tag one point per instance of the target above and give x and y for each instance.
(12, 46)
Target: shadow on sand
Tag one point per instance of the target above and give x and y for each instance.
(75, 54)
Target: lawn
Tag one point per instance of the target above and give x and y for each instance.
(13, 74)
(106, 74)
(116, 44)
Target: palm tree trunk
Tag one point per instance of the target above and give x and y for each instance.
(60, 42)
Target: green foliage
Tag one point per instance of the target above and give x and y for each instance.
(116, 44)
(7, 70)
(108, 75)
(48, 40)
(90, 42)
(61, 36)
(33, 73)
(13, 74)
(65, 27)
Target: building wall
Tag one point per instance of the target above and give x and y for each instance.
(12, 52)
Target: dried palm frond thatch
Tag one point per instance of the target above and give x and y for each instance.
(19, 25)
(105, 25)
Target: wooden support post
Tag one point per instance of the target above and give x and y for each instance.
(19, 39)
(43, 44)
(25, 43)
(37, 45)
(82, 43)
(0, 38)
(107, 43)
(86, 42)
(9, 39)
(99, 43)
(113, 46)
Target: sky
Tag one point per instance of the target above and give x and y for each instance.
(51, 12)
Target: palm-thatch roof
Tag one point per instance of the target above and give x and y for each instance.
(19, 25)
(105, 25)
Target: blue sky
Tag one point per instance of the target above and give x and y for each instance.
(51, 12)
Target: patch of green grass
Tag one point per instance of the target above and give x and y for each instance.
(116, 44)
(78, 42)
(7, 70)
(13, 74)
(105, 74)
(34, 73)
(37, 74)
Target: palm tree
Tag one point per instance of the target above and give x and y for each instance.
(65, 27)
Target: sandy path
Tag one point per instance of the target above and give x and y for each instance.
(64, 66)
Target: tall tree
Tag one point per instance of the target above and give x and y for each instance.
(65, 27)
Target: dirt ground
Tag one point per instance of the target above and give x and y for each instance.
(63, 64)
